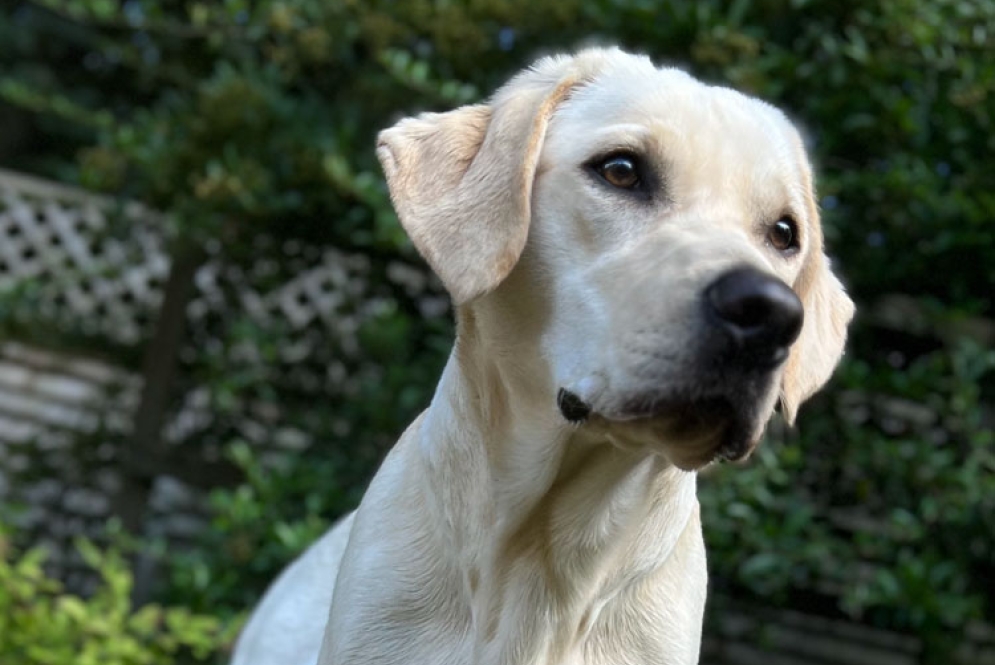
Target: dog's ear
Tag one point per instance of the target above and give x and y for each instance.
(828, 311)
(461, 181)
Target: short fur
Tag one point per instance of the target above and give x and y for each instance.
(496, 532)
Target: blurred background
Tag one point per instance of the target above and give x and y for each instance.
(212, 326)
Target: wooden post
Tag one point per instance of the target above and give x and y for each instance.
(144, 455)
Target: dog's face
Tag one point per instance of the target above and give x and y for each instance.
(673, 246)
(669, 219)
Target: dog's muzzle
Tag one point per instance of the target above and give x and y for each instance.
(750, 321)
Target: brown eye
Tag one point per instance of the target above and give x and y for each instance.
(783, 235)
(620, 171)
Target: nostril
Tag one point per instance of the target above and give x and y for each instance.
(758, 309)
(748, 310)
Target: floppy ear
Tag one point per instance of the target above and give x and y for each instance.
(819, 347)
(461, 182)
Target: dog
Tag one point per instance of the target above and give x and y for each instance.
(638, 276)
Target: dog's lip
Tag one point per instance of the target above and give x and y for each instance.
(693, 410)
(690, 409)
(708, 427)
(707, 424)
(735, 446)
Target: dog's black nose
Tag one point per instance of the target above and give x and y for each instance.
(759, 313)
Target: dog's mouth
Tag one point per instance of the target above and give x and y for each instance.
(690, 431)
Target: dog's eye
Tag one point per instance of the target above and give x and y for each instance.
(620, 171)
(783, 235)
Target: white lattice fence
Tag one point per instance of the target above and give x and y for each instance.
(72, 261)
(65, 267)
(57, 240)
(52, 240)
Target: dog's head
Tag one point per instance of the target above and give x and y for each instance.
(661, 235)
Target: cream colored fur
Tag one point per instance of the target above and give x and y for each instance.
(496, 532)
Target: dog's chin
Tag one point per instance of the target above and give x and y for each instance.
(690, 433)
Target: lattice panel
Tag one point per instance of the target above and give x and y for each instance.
(66, 263)
(60, 263)
(55, 248)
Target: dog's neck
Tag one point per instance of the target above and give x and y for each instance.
(546, 522)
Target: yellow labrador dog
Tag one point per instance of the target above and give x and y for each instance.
(637, 268)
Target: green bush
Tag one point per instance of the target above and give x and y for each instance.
(890, 520)
(256, 528)
(40, 624)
